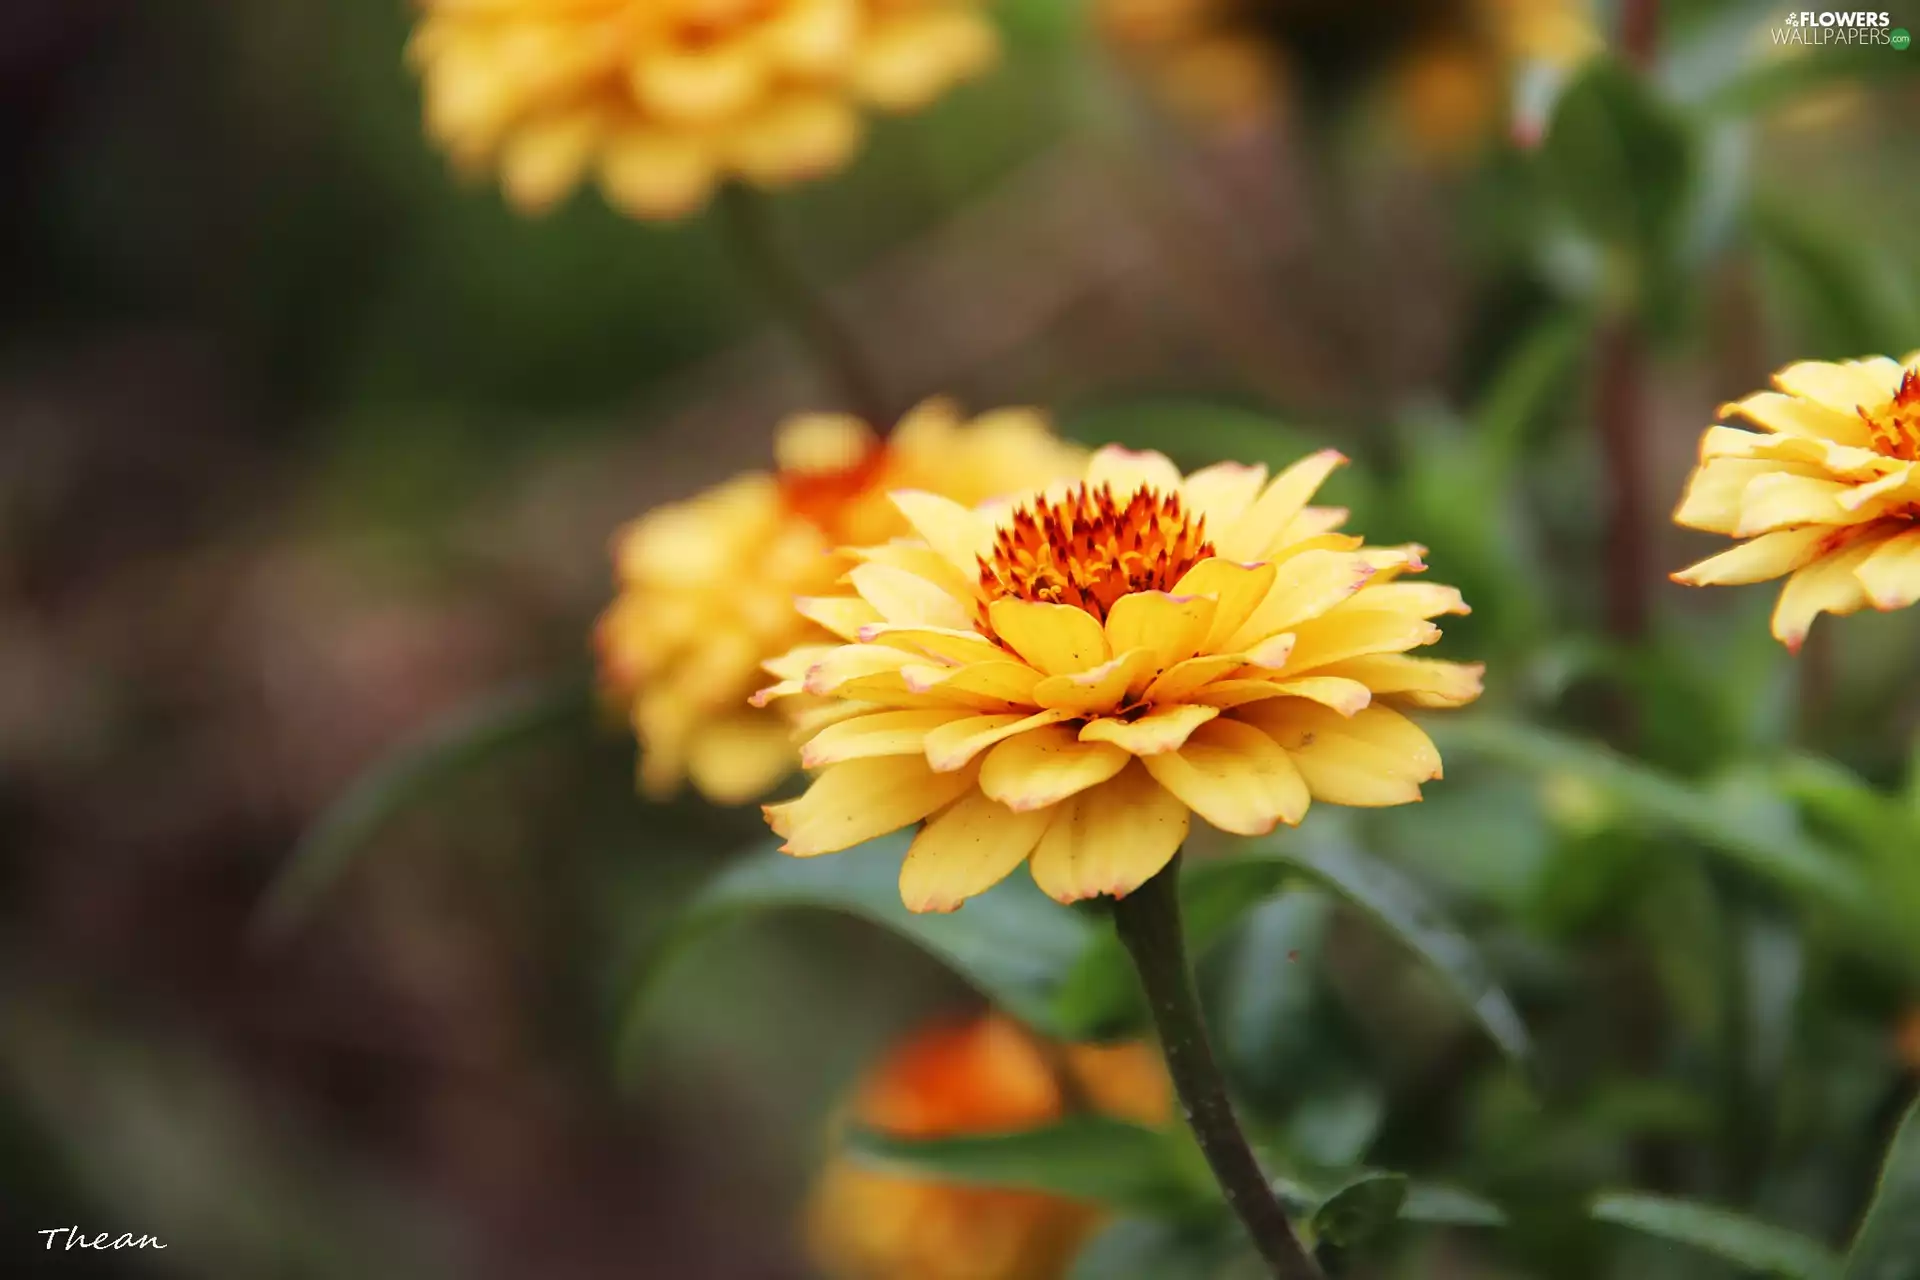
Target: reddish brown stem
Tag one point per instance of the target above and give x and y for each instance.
(1619, 411)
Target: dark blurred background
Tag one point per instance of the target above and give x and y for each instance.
(304, 445)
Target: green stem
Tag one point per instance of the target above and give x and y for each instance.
(829, 343)
(1148, 921)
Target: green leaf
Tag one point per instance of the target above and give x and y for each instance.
(1758, 1246)
(1619, 159)
(1401, 909)
(1444, 1206)
(1088, 1158)
(1776, 852)
(496, 723)
(1360, 1210)
(1844, 298)
(1012, 943)
(1887, 1246)
(1531, 387)
(1263, 1018)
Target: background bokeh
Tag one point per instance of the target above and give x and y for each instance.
(308, 448)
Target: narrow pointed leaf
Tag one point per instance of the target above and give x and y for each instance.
(1758, 1246)
(496, 723)
(1887, 1246)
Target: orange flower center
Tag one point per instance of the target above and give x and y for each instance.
(1087, 550)
(1896, 428)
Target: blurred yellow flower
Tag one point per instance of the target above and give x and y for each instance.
(668, 98)
(1071, 677)
(985, 1076)
(1825, 491)
(707, 585)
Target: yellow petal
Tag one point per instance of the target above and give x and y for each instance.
(1041, 768)
(1416, 599)
(1767, 556)
(856, 801)
(1351, 633)
(1183, 679)
(1128, 471)
(1003, 681)
(1779, 499)
(543, 161)
(1171, 628)
(1235, 777)
(905, 61)
(1220, 494)
(812, 38)
(1828, 585)
(1165, 728)
(1846, 388)
(879, 733)
(1421, 682)
(1109, 840)
(907, 598)
(919, 559)
(1891, 575)
(940, 643)
(954, 744)
(967, 850)
(1860, 497)
(655, 174)
(1255, 533)
(684, 85)
(1313, 583)
(1347, 697)
(850, 662)
(793, 137)
(1378, 757)
(739, 757)
(1789, 415)
(1056, 638)
(1101, 688)
(842, 615)
(1237, 590)
(960, 535)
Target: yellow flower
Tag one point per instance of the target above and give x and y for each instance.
(1071, 677)
(1825, 491)
(667, 98)
(707, 585)
(985, 1076)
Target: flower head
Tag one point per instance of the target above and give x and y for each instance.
(984, 1076)
(1825, 491)
(707, 585)
(666, 98)
(1069, 677)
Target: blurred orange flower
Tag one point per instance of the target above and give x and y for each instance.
(984, 1076)
(667, 98)
(1825, 491)
(707, 585)
(1232, 63)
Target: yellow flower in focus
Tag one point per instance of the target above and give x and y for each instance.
(986, 1076)
(1825, 491)
(707, 585)
(1071, 677)
(667, 98)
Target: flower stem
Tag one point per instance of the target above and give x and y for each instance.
(1148, 921)
(750, 237)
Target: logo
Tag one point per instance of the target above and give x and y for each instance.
(1840, 27)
